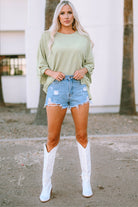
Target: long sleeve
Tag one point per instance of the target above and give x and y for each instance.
(89, 60)
(42, 63)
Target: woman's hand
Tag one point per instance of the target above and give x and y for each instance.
(56, 75)
(79, 74)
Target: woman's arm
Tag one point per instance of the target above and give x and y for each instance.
(42, 64)
(41, 57)
(88, 64)
(56, 75)
(89, 60)
(79, 74)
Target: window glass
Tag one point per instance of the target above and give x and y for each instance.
(13, 65)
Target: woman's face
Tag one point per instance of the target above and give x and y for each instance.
(66, 16)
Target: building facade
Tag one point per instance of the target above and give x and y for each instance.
(21, 26)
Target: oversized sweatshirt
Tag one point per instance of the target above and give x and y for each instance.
(69, 53)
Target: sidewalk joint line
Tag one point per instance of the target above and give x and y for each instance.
(70, 137)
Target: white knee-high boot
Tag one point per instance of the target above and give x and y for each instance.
(49, 159)
(85, 162)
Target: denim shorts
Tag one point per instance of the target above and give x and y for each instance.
(67, 93)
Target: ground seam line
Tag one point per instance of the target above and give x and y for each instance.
(71, 137)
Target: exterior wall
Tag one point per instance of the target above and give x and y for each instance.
(13, 15)
(12, 26)
(34, 29)
(14, 91)
(135, 6)
(12, 42)
(104, 22)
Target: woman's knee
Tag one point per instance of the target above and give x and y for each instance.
(82, 138)
(52, 142)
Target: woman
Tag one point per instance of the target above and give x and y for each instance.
(65, 64)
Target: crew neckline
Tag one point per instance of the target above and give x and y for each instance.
(67, 34)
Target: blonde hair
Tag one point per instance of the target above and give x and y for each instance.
(56, 24)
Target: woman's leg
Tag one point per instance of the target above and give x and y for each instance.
(55, 117)
(80, 117)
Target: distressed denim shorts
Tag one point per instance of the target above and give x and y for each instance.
(67, 93)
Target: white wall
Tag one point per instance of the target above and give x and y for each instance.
(12, 42)
(13, 88)
(12, 26)
(34, 29)
(13, 14)
(135, 6)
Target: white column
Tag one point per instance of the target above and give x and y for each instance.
(135, 19)
(34, 29)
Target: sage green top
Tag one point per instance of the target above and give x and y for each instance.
(69, 53)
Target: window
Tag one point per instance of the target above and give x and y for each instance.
(13, 65)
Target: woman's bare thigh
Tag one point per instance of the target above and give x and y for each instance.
(55, 117)
(80, 117)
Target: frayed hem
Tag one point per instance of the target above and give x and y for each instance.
(67, 107)
(78, 105)
(63, 107)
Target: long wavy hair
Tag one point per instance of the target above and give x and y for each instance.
(56, 23)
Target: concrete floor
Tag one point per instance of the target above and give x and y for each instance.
(114, 173)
